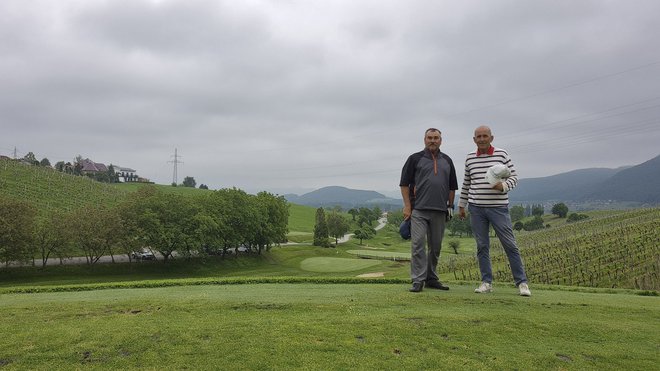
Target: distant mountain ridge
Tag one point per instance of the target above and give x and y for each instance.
(639, 184)
(344, 197)
(570, 185)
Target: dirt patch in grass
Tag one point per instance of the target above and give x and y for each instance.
(564, 357)
(370, 275)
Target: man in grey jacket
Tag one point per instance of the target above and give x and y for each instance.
(428, 185)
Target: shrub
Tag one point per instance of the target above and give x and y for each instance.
(455, 244)
(574, 217)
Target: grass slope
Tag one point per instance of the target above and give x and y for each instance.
(50, 189)
(327, 326)
(185, 191)
(610, 249)
(301, 223)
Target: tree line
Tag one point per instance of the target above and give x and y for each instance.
(560, 209)
(213, 223)
(336, 225)
(458, 227)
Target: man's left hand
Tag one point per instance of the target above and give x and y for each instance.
(499, 187)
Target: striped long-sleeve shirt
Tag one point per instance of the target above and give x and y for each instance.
(476, 190)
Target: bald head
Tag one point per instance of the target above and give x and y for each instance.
(482, 129)
(483, 138)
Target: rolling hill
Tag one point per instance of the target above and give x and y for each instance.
(49, 189)
(564, 186)
(639, 183)
(344, 197)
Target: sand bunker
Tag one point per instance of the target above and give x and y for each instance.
(376, 274)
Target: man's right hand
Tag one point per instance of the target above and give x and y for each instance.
(406, 212)
(461, 213)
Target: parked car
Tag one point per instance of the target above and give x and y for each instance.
(143, 254)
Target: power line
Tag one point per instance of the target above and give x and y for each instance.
(552, 90)
(480, 108)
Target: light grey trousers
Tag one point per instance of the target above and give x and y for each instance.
(427, 230)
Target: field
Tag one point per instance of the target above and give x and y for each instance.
(327, 326)
(594, 283)
(612, 249)
(51, 189)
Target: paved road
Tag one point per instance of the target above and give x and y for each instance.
(78, 260)
(382, 222)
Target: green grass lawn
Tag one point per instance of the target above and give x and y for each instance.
(132, 187)
(304, 307)
(328, 264)
(302, 219)
(327, 326)
(377, 254)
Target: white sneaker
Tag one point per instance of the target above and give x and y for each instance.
(524, 289)
(484, 288)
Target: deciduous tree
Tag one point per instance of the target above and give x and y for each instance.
(59, 166)
(321, 229)
(459, 227)
(538, 210)
(517, 213)
(395, 218)
(274, 226)
(189, 182)
(560, 209)
(95, 231)
(166, 222)
(365, 233)
(52, 237)
(534, 224)
(17, 222)
(337, 226)
(31, 158)
(574, 217)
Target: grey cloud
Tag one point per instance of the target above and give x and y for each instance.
(306, 94)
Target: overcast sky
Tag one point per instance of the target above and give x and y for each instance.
(290, 96)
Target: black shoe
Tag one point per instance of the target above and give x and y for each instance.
(436, 285)
(416, 287)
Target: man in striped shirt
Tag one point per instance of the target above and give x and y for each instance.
(488, 205)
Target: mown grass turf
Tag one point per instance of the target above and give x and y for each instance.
(327, 326)
(326, 264)
(390, 255)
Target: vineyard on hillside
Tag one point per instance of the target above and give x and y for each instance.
(619, 250)
(49, 189)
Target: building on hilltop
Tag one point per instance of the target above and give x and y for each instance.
(101, 172)
(90, 167)
(125, 174)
